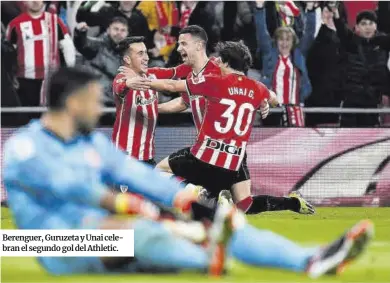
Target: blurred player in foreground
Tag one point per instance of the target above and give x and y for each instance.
(58, 172)
(192, 47)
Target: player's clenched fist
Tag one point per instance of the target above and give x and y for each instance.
(127, 203)
(264, 109)
(273, 99)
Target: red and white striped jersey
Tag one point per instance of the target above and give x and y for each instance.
(197, 103)
(136, 115)
(37, 41)
(286, 81)
(232, 101)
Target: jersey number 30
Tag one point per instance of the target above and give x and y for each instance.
(235, 122)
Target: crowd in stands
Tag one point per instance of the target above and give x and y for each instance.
(316, 54)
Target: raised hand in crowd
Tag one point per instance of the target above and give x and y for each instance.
(327, 17)
(335, 10)
(260, 4)
(82, 26)
(310, 5)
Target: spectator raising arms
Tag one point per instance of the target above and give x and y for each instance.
(284, 65)
(137, 24)
(38, 37)
(198, 13)
(365, 75)
(284, 14)
(161, 15)
(324, 66)
(104, 58)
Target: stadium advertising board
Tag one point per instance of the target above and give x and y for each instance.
(330, 167)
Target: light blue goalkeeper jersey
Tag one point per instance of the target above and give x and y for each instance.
(52, 183)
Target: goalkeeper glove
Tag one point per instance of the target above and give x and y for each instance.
(133, 204)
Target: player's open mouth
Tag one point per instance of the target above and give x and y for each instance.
(184, 56)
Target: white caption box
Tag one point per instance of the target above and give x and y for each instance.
(67, 243)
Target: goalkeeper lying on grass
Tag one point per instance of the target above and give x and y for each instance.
(58, 172)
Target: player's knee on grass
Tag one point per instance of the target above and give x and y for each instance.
(241, 190)
(242, 195)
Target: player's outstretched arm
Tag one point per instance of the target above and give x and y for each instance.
(178, 72)
(175, 105)
(122, 84)
(29, 167)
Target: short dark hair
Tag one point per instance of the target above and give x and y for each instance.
(119, 19)
(64, 82)
(197, 31)
(235, 54)
(124, 45)
(366, 15)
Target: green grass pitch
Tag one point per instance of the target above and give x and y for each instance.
(326, 225)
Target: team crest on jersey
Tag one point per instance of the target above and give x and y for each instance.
(140, 100)
(199, 79)
(92, 158)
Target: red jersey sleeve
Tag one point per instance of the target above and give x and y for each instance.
(182, 71)
(162, 73)
(119, 85)
(178, 72)
(208, 86)
(264, 91)
(62, 29)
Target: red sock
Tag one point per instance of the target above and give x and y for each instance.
(245, 204)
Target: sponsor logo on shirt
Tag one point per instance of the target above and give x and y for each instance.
(223, 147)
(140, 100)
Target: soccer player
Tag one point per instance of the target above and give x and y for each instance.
(136, 111)
(192, 48)
(57, 172)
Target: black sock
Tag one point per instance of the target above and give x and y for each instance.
(269, 203)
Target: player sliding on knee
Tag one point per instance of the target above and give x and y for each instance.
(217, 160)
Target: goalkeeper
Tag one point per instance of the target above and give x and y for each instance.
(58, 173)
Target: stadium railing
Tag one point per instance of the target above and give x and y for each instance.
(337, 110)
